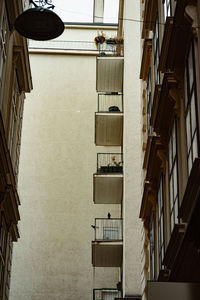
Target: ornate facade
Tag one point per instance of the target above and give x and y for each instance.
(15, 80)
(171, 116)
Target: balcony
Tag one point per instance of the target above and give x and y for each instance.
(109, 73)
(108, 180)
(107, 246)
(106, 294)
(109, 120)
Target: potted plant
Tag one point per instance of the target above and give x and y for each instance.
(114, 167)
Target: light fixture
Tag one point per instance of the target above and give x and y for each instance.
(39, 23)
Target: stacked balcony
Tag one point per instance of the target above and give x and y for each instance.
(109, 119)
(106, 294)
(108, 179)
(107, 245)
(109, 73)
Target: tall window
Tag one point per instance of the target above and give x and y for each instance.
(4, 28)
(173, 177)
(13, 118)
(166, 9)
(156, 52)
(190, 108)
(152, 251)
(149, 104)
(3, 243)
(160, 223)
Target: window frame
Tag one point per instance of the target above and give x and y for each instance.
(173, 176)
(190, 99)
(152, 248)
(149, 103)
(161, 229)
(156, 51)
(4, 29)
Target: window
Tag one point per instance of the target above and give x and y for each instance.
(111, 233)
(13, 116)
(152, 251)
(4, 29)
(161, 223)
(173, 177)
(3, 245)
(166, 9)
(190, 109)
(156, 52)
(149, 104)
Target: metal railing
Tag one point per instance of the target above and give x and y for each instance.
(110, 102)
(109, 163)
(106, 294)
(70, 45)
(116, 46)
(108, 229)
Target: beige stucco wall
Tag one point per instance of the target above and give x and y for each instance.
(132, 150)
(52, 260)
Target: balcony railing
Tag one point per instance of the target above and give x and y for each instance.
(108, 229)
(109, 163)
(106, 294)
(116, 45)
(71, 45)
(110, 102)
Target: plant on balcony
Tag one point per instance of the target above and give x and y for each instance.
(99, 40)
(117, 43)
(114, 167)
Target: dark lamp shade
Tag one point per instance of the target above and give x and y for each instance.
(39, 24)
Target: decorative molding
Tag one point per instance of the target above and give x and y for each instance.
(146, 59)
(165, 44)
(164, 108)
(150, 10)
(156, 100)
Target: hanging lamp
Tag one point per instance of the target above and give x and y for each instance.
(40, 22)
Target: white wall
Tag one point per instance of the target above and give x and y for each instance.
(132, 150)
(52, 260)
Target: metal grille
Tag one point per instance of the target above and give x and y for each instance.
(108, 229)
(109, 162)
(110, 102)
(106, 294)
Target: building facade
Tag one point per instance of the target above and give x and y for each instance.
(170, 203)
(15, 80)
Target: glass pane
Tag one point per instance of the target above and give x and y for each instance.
(174, 140)
(188, 131)
(193, 113)
(195, 146)
(186, 88)
(175, 177)
(190, 162)
(171, 193)
(191, 68)
(176, 210)
(172, 221)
